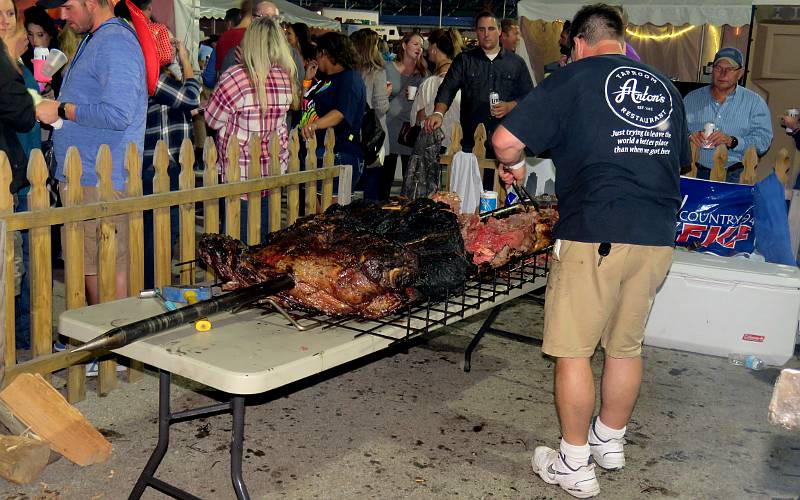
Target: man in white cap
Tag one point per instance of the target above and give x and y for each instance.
(740, 117)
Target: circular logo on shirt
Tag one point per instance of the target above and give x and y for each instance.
(638, 97)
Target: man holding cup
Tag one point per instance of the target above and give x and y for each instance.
(725, 113)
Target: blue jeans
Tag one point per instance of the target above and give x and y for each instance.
(342, 158)
(22, 302)
(732, 173)
(264, 220)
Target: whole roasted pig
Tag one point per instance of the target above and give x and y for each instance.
(363, 259)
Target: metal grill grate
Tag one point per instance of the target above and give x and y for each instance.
(488, 286)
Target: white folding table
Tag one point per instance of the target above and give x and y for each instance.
(252, 353)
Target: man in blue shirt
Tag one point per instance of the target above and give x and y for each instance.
(103, 100)
(741, 116)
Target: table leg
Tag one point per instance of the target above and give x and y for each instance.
(147, 475)
(237, 448)
(487, 324)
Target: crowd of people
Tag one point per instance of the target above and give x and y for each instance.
(263, 77)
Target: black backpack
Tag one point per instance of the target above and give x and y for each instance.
(372, 136)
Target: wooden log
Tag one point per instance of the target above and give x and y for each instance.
(161, 227)
(254, 200)
(233, 174)
(186, 210)
(311, 165)
(274, 194)
(7, 207)
(328, 160)
(293, 192)
(106, 260)
(210, 207)
(750, 162)
(38, 405)
(41, 273)
(74, 279)
(695, 159)
(133, 165)
(718, 173)
(22, 459)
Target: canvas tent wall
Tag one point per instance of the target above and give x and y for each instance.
(677, 36)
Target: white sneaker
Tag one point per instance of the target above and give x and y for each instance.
(608, 454)
(552, 467)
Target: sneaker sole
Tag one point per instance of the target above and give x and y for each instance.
(574, 493)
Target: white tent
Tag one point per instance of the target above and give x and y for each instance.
(677, 12)
(188, 14)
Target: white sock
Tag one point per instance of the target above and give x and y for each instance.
(576, 455)
(605, 432)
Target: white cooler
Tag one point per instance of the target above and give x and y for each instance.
(720, 305)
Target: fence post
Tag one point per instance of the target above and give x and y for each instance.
(695, 158)
(782, 166)
(254, 200)
(233, 173)
(74, 278)
(274, 193)
(311, 186)
(162, 233)
(718, 173)
(293, 191)
(7, 207)
(106, 260)
(210, 207)
(186, 210)
(133, 165)
(328, 159)
(41, 272)
(750, 162)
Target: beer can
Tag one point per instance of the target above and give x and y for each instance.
(511, 197)
(488, 201)
(494, 98)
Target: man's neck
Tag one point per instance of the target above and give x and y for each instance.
(721, 95)
(491, 52)
(101, 16)
(606, 47)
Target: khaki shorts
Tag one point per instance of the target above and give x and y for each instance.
(586, 303)
(91, 229)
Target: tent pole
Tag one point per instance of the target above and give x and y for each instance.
(703, 29)
(440, 13)
(749, 43)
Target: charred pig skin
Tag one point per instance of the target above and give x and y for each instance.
(355, 260)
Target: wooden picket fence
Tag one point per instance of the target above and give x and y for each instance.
(41, 218)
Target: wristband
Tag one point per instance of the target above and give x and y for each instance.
(516, 166)
(438, 113)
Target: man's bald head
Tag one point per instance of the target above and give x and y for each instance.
(265, 8)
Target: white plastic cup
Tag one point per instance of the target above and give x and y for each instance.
(794, 113)
(708, 129)
(55, 61)
(412, 92)
(40, 53)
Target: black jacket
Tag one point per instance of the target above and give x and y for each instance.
(475, 75)
(17, 114)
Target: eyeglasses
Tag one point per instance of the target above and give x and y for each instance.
(724, 70)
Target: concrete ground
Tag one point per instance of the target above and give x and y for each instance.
(414, 425)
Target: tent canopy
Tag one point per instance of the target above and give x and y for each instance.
(658, 12)
(289, 12)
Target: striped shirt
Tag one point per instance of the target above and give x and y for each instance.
(743, 114)
(233, 111)
(169, 116)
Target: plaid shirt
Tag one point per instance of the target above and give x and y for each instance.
(233, 111)
(169, 116)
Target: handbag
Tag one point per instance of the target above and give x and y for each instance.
(50, 160)
(408, 134)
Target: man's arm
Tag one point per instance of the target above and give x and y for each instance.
(760, 133)
(509, 150)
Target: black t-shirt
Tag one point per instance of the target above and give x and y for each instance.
(344, 92)
(618, 136)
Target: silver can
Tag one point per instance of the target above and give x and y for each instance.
(494, 98)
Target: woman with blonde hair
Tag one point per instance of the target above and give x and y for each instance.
(369, 62)
(405, 72)
(443, 46)
(253, 98)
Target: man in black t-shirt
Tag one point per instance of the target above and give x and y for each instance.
(617, 132)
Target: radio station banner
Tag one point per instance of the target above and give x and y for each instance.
(716, 217)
